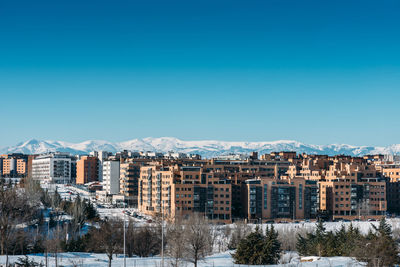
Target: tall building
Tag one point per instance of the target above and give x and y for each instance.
(129, 178)
(29, 167)
(53, 168)
(111, 170)
(102, 156)
(183, 190)
(87, 170)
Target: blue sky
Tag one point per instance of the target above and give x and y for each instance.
(314, 71)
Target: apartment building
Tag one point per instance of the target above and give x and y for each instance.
(111, 172)
(129, 178)
(182, 190)
(53, 168)
(14, 165)
(87, 170)
(270, 198)
(351, 198)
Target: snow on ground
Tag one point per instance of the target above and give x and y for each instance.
(216, 260)
(364, 226)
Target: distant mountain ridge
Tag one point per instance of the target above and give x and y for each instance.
(206, 148)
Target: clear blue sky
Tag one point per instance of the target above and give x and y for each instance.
(314, 71)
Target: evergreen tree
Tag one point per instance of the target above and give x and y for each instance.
(258, 249)
(383, 246)
(272, 246)
(302, 245)
(90, 211)
(383, 229)
(320, 236)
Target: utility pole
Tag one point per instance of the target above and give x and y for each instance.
(47, 242)
(162, 231)
(124, 220)
(205, 209)
(294, 209)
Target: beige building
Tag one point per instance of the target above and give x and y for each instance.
(129, 179)
(14, 165)
(181, 191)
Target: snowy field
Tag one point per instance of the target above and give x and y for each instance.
(364, 226)
(216, 260)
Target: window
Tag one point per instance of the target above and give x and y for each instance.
(265, 196)
(300, 196)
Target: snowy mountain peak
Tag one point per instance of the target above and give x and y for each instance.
(206, 148)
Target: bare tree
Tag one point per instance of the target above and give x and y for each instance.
(240, 231)
(287, 236)
(14, 210)
(197, 239)
(146, 241)
(33, 191)
(107, 238)
(53, 244)
(175, 242)
(78, 215)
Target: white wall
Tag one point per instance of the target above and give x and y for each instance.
(111, 177)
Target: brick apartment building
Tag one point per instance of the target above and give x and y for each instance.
(270, 198)
(87, 170)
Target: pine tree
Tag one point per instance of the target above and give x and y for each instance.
(383, 229)
(320, 236)
(90, 211)
(272, 246)
(377, 248)
(249, 248)
(258, 249)
(301, 245)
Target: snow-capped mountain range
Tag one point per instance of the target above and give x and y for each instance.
(206, 148)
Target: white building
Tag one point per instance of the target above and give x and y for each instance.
(102, 156)
(111, 177)
(53, 168)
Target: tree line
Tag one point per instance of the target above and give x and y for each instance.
(377, 248)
